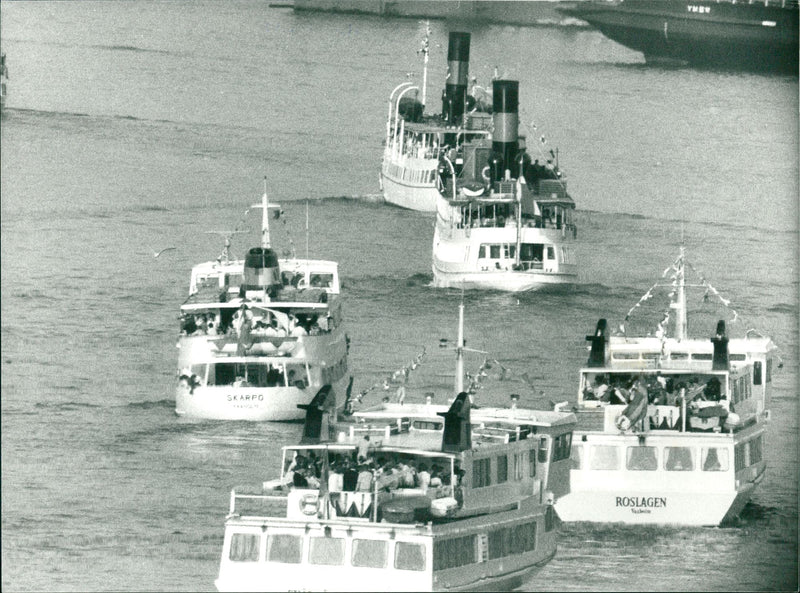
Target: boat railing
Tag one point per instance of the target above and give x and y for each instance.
(401, 425)
(270, 504)
(502, 434)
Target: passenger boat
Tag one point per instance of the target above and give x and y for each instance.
(503, 222)
(404, 497)
(259, 336)
(415, 140)
(758, 35)
(671, 430)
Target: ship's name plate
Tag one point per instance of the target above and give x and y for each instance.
(641, 504)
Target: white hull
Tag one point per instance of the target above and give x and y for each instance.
(419, 197)
(499, 280)
(641, 506)
(248, 403)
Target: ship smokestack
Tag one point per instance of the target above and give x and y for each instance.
(455, 90)
(505, 139)
(720, 341)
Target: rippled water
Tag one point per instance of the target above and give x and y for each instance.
(132, 127)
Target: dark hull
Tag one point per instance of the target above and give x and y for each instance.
(755, 37)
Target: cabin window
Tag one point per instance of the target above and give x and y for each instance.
(426, 425)
(737, 357)
(524, 537)
(702, 356)
(284, 548)
(408, 556)
(604, 457)
(245, 547)
(549, 518)
(756, 453)
(625, 355)
(678, 459)
(506, 541)
(480, 473)
(453, 552)
(499, 543)
(543, 450)
(551, 252)
(532, 463)
(326, 550)
(484, 252)
(576, 456)
(757, 372)
(494, 251)
(651, 355)
(519, 466)
(321, 280)
(369, 553)
(714, 459)
(502, 469)
(561, 446)
(641, 459)
(769, 371)
(679, 356)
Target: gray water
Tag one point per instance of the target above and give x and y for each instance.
(135, 126)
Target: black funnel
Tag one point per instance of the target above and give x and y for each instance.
(597, 355)
(720, 341)
(457, 435)
(455, 90)
(312, 429)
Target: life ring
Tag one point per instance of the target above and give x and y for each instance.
(309, 504)
(485, 173)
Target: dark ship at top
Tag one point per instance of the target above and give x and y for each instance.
(754, 35)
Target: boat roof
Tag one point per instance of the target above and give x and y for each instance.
(295, 306)
(747, 345)
(216, 267)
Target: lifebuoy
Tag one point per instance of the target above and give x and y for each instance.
(309, 504)
(485, 173)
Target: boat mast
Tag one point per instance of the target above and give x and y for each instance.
(681, 328)
(517, 258)
(264, 218)
(460, 350)
(424, 51)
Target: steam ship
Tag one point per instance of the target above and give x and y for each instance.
(759, 35)
(503, 222)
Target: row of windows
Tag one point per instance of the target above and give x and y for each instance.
(527, 251)
(749, 453)
(411, 175)
(285, 548)
(644, 458)
(482, 468)
(501, 542)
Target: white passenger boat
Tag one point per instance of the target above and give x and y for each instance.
(259, 336)
(671, 429)
(502, 222)
(404, 497)
(416, 140)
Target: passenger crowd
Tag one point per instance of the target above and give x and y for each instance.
(361, 471)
